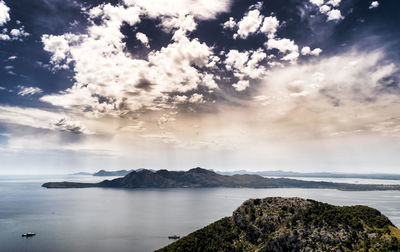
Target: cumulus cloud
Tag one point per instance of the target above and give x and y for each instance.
(329, 9)
(5, 37)
(334, 15)
(16, 33)
(250, 23)
(246, 63)
(28, 91)
(143, 39)
(196, 98)
(324, 9)
(241, 85)
(253, 22)
(59, 47)
(306, 50)
(4, 13)
(270, 26)
(108, 80)
(230, 24)
(317, 2)
(374, 5)
(201, 9)
(334, 3)
(286, 46)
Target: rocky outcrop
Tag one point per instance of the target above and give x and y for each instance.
(294, 224)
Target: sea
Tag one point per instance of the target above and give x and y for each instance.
(119, 220)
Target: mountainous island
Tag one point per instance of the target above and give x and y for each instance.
(198, 177)
(104, 173)
(294, 224)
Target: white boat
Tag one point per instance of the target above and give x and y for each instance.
(29, 234)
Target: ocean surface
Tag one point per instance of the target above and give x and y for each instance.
(103, 220)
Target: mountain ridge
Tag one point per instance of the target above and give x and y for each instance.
(199, 177)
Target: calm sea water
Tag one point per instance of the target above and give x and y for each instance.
(96, 219)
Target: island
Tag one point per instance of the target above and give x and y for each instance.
(112, 173)
(294, 224)
(199, 177)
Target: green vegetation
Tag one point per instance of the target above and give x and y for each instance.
(218, 236)
(293, 224)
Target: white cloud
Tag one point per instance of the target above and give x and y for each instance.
(4, 13)
(306, 50)
(208, 81)
(15, 33)
(250, 23)
(334, 3)
(270, 26)
(40, 119)
(328, 9)
(230, 24)
(332, 91)
(246, 63)
(184, 23)
(179, 99)
(143, 39)
(196, 98)
(317, 2)
(241, 85)
(5, 37)
(201, 9)
(18, 34)
(334, 15)
(108, 80)
(324, 9)
(286, 46)
(374, 5)
(59, 47)
(28, 91)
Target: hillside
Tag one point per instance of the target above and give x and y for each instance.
(294, 224)
(111, 173)
(199, 177)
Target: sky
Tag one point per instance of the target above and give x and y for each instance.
(295, 85)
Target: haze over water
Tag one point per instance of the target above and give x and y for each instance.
(98, 219)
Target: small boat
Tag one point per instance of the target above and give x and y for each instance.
(29, 234)
(174, 237)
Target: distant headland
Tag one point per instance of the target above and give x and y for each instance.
(199, 177)
(271, 173)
